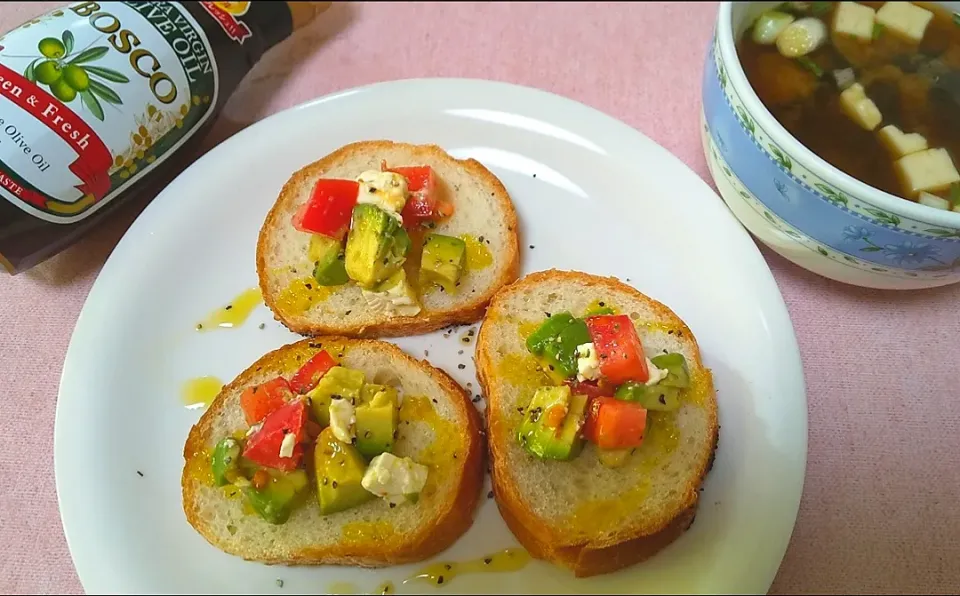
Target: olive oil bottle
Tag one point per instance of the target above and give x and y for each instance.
(100, 100)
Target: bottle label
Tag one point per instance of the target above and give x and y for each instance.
(93, 97)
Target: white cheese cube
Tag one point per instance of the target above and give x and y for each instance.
(287, 445)
(397, 298)
(934, 201)
(929, 170)
(854, 19)
(859, 107)
(386, 190)
(900, 143)
(656, 374)
(588, 362)
(343, 420)
(905, 19)
(394, 479)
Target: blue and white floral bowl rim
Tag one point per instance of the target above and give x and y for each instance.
(911, 263)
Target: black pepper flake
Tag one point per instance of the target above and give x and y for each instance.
(679, 333)
(472, 332)
(534, 175)
(392, 505)
(347, 313)
(465, 340)
(228, 307)
(531, 247)
(669, 331)
(435, 400)
(546, 313)
(448, 567)
(440, 579)
(490, 495)
(426, 352)
(334, 485)
(460, 352)
(663, 400)
(199, 326)
(487, 560)
(551, 367)
(371, 189)
(325, 481)
(262, 325)
(279, 583)
(602, 304)
(139, 473)
(476, 399)
(480, 239)
(461, 366)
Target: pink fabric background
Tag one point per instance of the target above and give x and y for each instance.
(880, 506)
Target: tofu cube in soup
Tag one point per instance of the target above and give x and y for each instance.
(900, 143)
(931, 170)
(905, 19)
(859, 107)
(854, 19)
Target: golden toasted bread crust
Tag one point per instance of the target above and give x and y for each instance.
(469, 312)
(631, 544)
(451, 518)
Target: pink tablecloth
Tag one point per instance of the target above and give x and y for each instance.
(881, 505)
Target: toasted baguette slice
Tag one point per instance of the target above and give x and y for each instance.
(373, 534)
(580, 514)
(483, 209)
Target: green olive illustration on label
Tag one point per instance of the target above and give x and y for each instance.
(48, 72)
(76, 77)
(70, 74)
(52, 47)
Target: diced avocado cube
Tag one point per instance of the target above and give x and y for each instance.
(562, 352)
(338, 383)
(676, 366)
(327, 255)
(276, 500)
(376, 246)
(339, 468)
(548, 331)
(225, 461)
(657, 397)
(552, 422)
(443, 261)
(378, 417)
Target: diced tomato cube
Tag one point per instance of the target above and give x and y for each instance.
(310, 373)
(329, 209)
(614, 424)
(418, 210)
(260, 401)
(423, 204)
(618, 347)
(264, 446)
(419, 178)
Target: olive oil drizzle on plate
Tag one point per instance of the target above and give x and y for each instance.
(441, 574)
(235, 313)
(200, 392)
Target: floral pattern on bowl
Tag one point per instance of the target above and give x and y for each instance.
(805, 207)
(719, 168)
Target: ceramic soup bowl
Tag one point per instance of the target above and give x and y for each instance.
(798, 204)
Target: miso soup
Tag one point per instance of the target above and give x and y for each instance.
(873, 88)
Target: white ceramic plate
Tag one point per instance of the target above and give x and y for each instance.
(592, 195)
